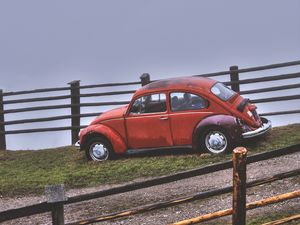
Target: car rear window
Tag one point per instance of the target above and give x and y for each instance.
(222, 92)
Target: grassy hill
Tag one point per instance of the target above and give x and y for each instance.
(27, 172)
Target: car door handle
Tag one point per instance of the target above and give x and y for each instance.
(164, 118)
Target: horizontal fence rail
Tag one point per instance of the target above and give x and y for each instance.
(249, 206)
(107, 93)
(29, 109)
(109, 85)
(47, 119)
(199, 196)
(276, 99)
(68, 88)
(46, 207)
(264, 79)
(280, 113)
(35, 130)
(277, 88)
(36, 91)
(26, 100)
(72, 99)
(253, 69)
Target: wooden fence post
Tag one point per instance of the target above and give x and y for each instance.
(75, 109)
(239, 186)
(234, 76)
(145, 78)
(2, 126)
(55, 195)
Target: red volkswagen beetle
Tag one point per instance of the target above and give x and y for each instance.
(183, 112)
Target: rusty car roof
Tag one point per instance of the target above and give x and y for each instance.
(183, 83)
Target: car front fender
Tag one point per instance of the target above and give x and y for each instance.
(111, 135)
(226, 122)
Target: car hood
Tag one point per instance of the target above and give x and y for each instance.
(111, 114)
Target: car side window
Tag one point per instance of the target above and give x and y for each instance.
(187, 101)
(149, 104)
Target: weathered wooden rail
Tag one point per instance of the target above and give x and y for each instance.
(72, 94)
(284, 220)
(50, 206)
(252, 205)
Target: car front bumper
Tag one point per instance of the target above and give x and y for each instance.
(259, 131)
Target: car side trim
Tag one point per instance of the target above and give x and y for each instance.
(140, 150)
(149, 115)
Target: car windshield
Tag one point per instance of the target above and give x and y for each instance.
(222, 92)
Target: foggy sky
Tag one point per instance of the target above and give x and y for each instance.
(50, 43)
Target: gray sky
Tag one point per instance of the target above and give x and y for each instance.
(49, 43)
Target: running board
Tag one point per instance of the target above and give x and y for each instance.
(130, 151)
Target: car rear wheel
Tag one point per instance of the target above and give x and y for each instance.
(216, 141)
(99, 149)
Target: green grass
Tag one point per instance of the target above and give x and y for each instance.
(27, 172)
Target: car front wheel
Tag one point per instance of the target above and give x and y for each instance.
(216, 141)
(99, 149)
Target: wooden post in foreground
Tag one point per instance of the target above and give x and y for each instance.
(55, 195)
(145, 78)
(234, 76)
(239, 186)
(2, 126)
(75, 109)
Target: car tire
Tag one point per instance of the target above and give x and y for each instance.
(215, 140)
(99, 149)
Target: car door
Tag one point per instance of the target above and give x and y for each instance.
(147, 122)
(186, 111)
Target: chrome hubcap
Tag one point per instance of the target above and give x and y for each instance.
(99, 152)
(216, 142)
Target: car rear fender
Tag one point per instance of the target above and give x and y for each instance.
(111, 135)
(226, 122)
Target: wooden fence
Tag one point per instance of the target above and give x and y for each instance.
(56, 207)
(75, 97)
